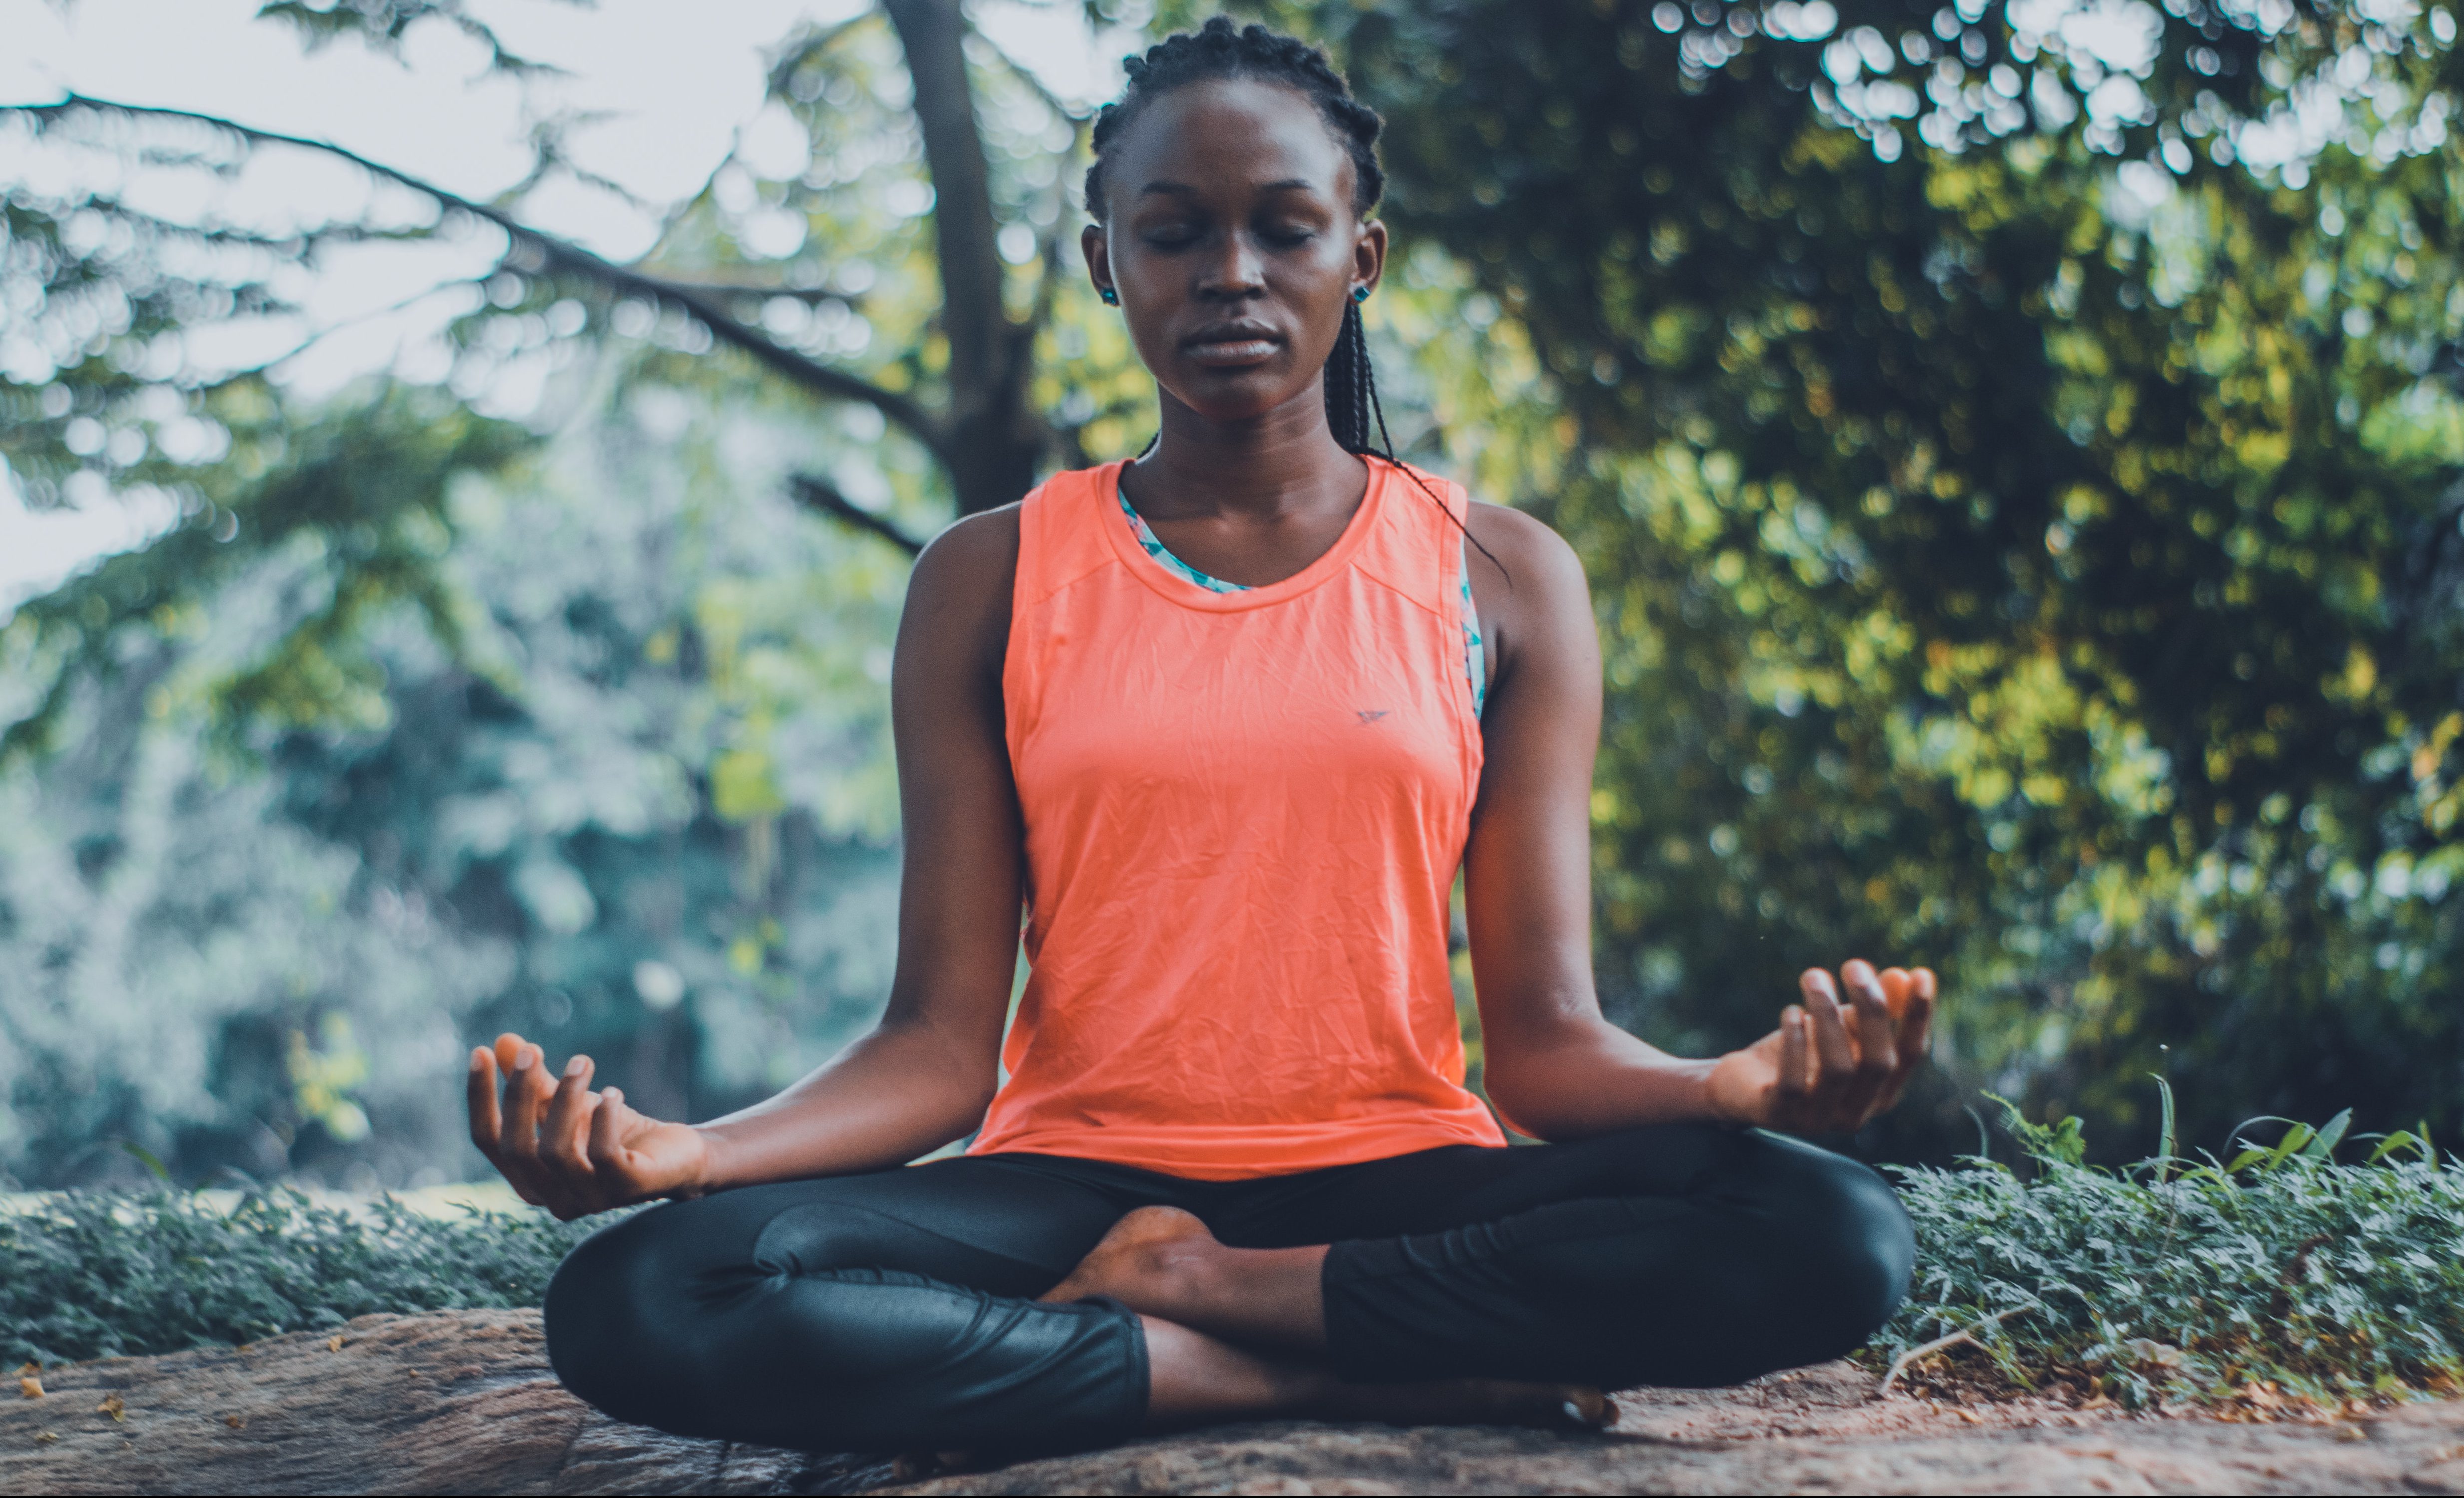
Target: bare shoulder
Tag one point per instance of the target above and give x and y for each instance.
(1522, 563)
(956, 621)
(976, 555)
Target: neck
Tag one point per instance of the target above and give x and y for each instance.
(1282, 460)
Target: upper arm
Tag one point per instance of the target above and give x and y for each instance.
(960, 887)
(1527, 871)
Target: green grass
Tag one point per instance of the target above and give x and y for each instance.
(2166, 1282)
(2279, 1273)
(96, 1275)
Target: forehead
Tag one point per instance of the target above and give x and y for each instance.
(1230, 133)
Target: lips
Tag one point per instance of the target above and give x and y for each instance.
(1233, 344)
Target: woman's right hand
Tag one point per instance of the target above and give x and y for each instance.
(569, 1149)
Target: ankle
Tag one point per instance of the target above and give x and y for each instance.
(1187, 1274)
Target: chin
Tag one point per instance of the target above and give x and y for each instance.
(1239, 394)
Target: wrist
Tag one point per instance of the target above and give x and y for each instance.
(1723, 1103)
(713, 1172)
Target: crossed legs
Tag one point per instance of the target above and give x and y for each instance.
(900, 1310)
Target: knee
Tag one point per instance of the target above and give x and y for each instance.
(603, 1315)
(1847, 1244)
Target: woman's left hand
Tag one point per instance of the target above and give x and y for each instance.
(1831, 1066)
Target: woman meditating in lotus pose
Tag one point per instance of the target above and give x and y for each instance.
(1227, 721)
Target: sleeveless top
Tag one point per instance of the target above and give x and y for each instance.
(1475, 652)
(1245, 811)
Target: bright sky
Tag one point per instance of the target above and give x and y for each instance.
(676, 83)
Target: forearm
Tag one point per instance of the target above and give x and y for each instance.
(1584, 1076)
(901, 1092)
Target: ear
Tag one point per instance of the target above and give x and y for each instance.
(1098, 252)
(1369, 255)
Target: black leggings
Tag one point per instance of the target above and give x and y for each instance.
(895, 1311)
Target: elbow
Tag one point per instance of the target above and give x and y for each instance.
(958, 1094)
(1522, 1106)
(1546, 1079)
(928, 1074)
(977, 1101)
(969, 1087)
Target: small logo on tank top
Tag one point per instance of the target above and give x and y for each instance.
(1370, 715)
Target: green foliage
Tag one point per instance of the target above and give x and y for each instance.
(2153, 1283)
(350, 500)
(2160, 1282)
(104, 1275)
(2025, 534)
(432, 723)
(639, 808)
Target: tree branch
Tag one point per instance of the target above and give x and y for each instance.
(561, 255)
(762, 289)
(814, 493)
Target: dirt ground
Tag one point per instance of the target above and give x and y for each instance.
(463, 1402)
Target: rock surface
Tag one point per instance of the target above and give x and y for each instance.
(463, 1402)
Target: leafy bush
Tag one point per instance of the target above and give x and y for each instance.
(2165, 1282)
(2280, 1271)
(94, 1275)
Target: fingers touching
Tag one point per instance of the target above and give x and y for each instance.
(486, 1121)
(1832, 1050)
(568, 1110)
(526, 1094)
(1863, 1046)
(1795, 1061)
(1878, 1058)
(606, 1132)
(534, 1128)
(1915, 1032)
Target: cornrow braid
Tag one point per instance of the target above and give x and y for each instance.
(1220, 50)
(1224, 50)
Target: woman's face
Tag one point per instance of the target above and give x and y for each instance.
(1233, 244)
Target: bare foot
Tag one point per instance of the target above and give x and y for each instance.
(1466, 1401)
(1131, 1263)
(1214, 1309)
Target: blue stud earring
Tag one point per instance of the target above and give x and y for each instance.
(1360, 293)
(1112, 298)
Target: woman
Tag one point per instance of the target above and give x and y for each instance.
(1228, 720)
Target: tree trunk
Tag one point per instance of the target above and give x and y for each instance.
(995, 442)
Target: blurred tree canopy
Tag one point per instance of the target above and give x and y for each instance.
(2014, 446)
(2025, 530)
(420, 718)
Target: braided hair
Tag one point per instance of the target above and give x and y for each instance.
(1220, 50)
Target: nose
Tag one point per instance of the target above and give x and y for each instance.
(1235, 271)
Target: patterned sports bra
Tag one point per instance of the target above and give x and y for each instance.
(1475, 648)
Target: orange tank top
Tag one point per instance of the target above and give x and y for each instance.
(1243, 812)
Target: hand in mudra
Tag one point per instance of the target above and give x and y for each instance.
(568, 1148)
(1831, 1066)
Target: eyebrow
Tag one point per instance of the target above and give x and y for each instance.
(1286, 185)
